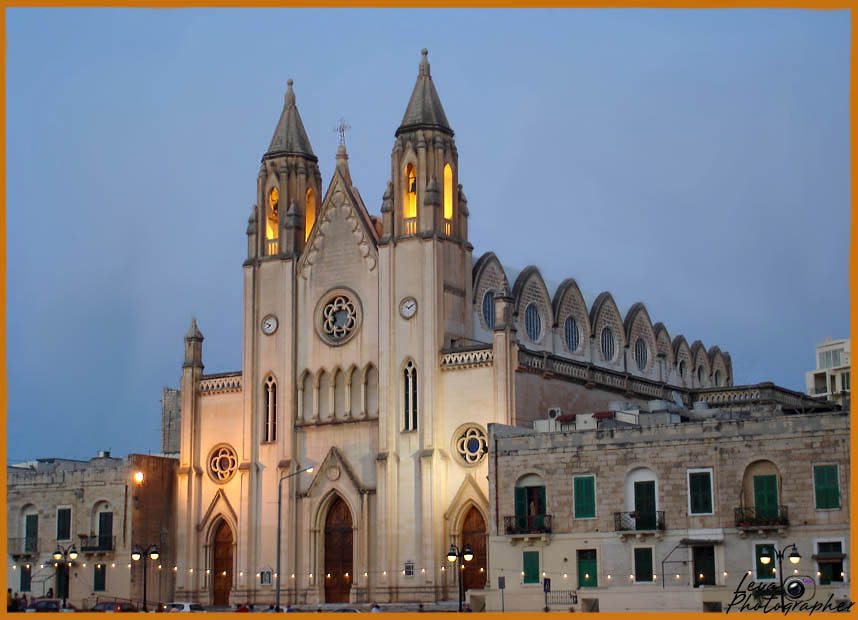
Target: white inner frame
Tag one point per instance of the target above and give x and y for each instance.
(700, 470)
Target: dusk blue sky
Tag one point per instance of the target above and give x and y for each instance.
(697, 161)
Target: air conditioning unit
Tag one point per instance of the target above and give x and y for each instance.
(553, 412)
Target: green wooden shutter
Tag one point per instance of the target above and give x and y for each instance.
(530, 560)
(64, 524)
(766, 496)
(700, 485)
(645, 505)
(31, 528)
(643, 564)
(585, 497)
(588, 575)
(825, 484)
(99, 578)
(765, 571)
(520, 507)
(25, 578)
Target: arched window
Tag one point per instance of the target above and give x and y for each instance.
(448, 200)
(718, 378)
(682, 369)
(270, 431)
(607, 344)
(409, 213)
(640, 354)
(529, 506)
(641, 501)
(700, 375)
(271, 219)
(489, 309)
(409, 396)
(532, 322)
(309, 212)
(570, 331)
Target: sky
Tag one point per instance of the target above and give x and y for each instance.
(694, 160)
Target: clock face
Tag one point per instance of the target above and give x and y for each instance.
(269, 324)
(408, 307)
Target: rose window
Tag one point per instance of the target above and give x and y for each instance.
(471, 444)
(339, 317)
(222, 463)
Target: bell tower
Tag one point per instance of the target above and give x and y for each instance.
(288, 189)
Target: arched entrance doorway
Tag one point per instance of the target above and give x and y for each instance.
(474, 534)
(338, 552)
(222, 565)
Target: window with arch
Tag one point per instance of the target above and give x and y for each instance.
(607, 341)
(718, 378)
(700, 375)
(489, 309)
(270, 431)
(682, 369)
(271, 220)
(409, 208)
(448, 200)
(570, 331)
(309, 212)
(640, 354)
(409, 396)
(532, 322)
(530, 505)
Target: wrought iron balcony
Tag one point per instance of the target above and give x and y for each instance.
(753, 518)
(23, 546)
(639, 521)
(524, 524)
(97, 543)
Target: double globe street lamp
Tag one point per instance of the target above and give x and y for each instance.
(794, 558)
(465, 555)
(64, 554)
(150, 552)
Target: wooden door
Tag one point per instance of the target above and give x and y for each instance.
(338, 553)
(474, 534)
(222, 565)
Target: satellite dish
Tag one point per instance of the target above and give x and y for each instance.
(677, 399)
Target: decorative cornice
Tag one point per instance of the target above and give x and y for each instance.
(467, 359)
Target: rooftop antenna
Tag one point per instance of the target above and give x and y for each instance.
(341, 128)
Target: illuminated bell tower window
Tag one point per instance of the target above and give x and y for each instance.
(270, 433)
(272, 216)
(409, 376)
(309, 213)
(448, 200)
(409, 212)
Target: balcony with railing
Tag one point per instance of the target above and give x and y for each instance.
(90, 544)
(23, 546)
(527, 524)
(272, 247)
(409, 224)
(773, 517)
(635, 521)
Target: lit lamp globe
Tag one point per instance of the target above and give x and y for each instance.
(467, 553)
(154, 553)
(136, 555)
(73, 553)
(765, 557)
(452, 555)
(794, 557)
(58, 555)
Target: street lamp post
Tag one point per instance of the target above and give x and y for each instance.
(309, 470)
(466, 555)
(65, 554)
(149, 553)
(794, 558)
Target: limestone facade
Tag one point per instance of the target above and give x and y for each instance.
(795, 449)
(96, 507)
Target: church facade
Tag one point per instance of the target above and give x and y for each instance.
(376, 351)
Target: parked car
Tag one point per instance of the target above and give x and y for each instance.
(49, 605)
(113, 606)
(180, 606)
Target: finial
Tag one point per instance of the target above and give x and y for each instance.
(424, 62)
(341, 128)
(290, 94)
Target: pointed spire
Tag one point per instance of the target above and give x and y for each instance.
(424, 109)
(387, 199)
(290, 138)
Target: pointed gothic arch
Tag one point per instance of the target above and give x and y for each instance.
(269, 409)
(309, 212)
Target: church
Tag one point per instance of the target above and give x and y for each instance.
(376, 350)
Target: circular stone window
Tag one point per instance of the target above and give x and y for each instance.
(338, 316)
(222, 463)
(470, 443)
